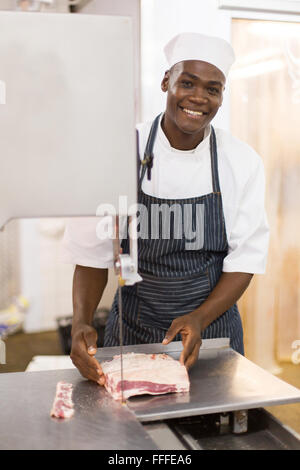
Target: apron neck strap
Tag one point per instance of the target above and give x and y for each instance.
(214, 161)
(147, 161)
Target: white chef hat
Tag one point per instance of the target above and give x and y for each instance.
(195, 46)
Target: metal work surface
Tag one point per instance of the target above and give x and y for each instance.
(221, 380)
(98, 422)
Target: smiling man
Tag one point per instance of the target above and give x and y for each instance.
(188, 114)
(187, 293)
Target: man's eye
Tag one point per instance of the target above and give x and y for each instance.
(186, 83)
(213, 90)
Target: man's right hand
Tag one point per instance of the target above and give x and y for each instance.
(84, 347)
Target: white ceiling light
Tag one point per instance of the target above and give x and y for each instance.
(277, 29)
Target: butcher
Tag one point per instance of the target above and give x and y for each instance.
(190, 285)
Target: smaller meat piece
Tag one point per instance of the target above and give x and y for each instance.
(153, 374)
(63, 406)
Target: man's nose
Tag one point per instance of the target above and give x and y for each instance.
(199, 96)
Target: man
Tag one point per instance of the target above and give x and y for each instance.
(188, 291)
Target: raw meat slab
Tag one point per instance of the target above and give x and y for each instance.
(153, 374)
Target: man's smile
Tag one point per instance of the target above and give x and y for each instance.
(192, 113)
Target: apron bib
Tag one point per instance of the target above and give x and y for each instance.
(178, 271)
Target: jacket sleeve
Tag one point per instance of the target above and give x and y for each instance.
(87, 242)
(249, 235)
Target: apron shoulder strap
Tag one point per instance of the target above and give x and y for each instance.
(147, 161)
(214, 161)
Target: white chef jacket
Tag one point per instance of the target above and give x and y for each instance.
(178, 174)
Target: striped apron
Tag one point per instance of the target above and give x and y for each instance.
(177, 275)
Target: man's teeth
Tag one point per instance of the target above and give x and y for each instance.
(194, 113)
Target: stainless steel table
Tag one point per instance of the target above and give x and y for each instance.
(98, 423)
(221, 381)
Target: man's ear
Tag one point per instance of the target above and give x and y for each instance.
(165, 81)
(222, 97)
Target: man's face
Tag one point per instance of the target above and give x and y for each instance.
(195, 93)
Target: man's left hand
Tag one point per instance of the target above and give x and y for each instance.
(189, 326)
